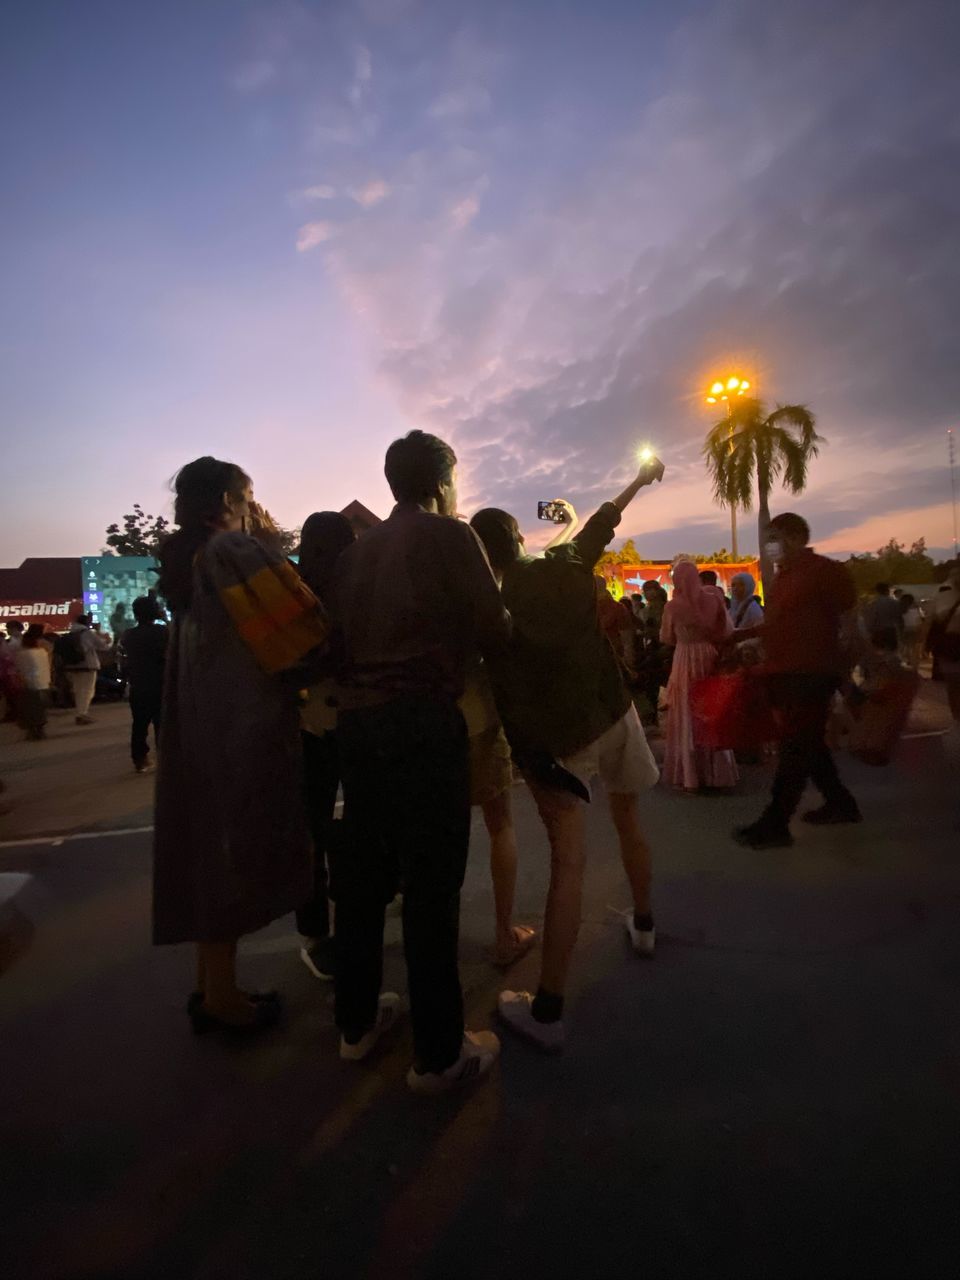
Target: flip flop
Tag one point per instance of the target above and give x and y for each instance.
(523, 939)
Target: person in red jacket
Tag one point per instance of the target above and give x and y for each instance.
(809, 624)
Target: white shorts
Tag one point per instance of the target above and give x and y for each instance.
(621, 758)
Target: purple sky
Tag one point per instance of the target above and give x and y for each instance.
(285, 233)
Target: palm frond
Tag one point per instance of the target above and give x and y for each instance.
(793, 435)
(730, 464)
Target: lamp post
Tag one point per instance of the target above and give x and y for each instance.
(725, 391)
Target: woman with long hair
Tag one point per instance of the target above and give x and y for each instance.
(33, 665)
(696, 621)
(231, 847)
(324, 537)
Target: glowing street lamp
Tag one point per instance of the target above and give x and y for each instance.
(725, 391)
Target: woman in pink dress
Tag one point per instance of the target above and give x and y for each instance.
(695, 621)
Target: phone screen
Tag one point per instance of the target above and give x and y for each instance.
(552, 511)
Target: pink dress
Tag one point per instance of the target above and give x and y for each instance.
(685, 765)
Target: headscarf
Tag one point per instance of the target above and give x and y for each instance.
(749, 581)
(694, 604)
(323, 539)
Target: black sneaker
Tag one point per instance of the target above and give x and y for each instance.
(317, 955)
(833, 815)
(759, 836)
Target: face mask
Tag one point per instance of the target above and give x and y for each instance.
(774, 549)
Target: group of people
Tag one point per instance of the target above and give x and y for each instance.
(415, 669)
(432, 657)
(38, 656)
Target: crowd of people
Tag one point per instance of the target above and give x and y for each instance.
(414, 671)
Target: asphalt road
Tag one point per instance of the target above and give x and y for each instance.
(777, 1094)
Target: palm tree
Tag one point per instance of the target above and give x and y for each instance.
(751, 446)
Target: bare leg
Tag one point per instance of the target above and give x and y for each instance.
(498, 817)
(634, 850)
(562, 816)
(217, 971)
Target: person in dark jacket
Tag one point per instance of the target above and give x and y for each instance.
(143, 651)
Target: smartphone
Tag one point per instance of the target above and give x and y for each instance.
(552, 511)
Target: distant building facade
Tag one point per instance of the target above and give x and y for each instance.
(57, 589)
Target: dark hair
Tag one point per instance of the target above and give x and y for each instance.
(708, 577)
(84, 619)
(146, 609)
(417, 466)
(792, 525)
(636, 596)
(907, 600)
(323, 539)
(650, 584)
(14, 626)
(500, 535)
(34, 635)
(200, 487)
(882, 588)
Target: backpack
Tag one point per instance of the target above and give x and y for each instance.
(68, 650)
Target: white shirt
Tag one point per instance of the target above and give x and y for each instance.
(34, 667)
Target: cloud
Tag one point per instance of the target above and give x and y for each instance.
(464, 211)
(371, 193)
(639, 233)
(362, 75)
(460, 102)
(252, 76)
(320, 192)
(312, 234)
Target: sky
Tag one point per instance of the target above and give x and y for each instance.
(286, 233)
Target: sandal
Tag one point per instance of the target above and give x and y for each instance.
(523, 939)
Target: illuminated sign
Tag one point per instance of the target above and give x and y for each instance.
(110, 586)
(40, 609)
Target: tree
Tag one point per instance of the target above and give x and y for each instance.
(893, 563)
(289, 540)
(141, 534)
(753, 447)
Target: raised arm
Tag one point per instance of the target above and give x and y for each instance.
(571, 522)
(648, 473)
(599, 530)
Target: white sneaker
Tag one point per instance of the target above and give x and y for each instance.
(644, 940)
(480, 1051)
(516, 1009)
(389, 1007)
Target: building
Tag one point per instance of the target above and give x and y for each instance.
(360, 517)
(43, 588)
(56, 590)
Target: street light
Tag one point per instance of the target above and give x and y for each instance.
(726, 390)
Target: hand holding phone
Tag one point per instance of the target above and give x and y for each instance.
(557, 512)
(651, 469)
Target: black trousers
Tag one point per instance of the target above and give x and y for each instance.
(406, 785)
(802, 703)
(145, 710)
(321, 779)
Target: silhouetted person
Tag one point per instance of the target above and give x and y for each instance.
(416, 600)
(883, 618)
(142, 653)
(809, 616)
(569, 718)
(325, 536)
